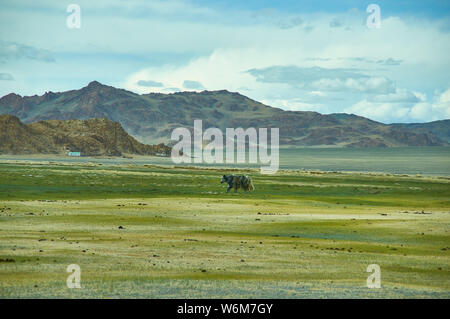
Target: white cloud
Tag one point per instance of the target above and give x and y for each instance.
(192, 85)
(399, 107)
(365, 85)
(12, 51)
(149, 83)
(399, 96)
(442, 106)
(325, 79)
(6, 77)
(378, 111)
(297, 105)
(350, 66)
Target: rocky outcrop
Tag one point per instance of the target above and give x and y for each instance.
(90, 137)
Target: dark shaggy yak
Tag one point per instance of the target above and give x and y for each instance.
(238, 181)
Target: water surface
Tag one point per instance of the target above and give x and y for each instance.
(402, 160)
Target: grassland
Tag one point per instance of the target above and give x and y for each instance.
(163, 232)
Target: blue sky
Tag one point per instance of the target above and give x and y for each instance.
(429, 8)
(298, 55)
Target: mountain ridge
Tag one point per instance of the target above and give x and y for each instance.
(93, 137)
(151, 117)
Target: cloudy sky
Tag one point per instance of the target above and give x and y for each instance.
(296, 55)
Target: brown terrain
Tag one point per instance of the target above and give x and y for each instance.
(150, 118)
(90, 137)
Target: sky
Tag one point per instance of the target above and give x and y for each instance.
(326, 56)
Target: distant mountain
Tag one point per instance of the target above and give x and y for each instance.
(152, 117)
(90, 137)
(439, 128)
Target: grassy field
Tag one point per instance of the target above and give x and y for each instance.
(161, 232)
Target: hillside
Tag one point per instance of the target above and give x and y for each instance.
(439, 128)
(151, 117)
(90, 137)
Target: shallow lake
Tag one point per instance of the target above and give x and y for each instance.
(402, 160)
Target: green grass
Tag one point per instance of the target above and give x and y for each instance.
(300, 234)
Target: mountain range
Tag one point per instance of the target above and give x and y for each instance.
(150, 118)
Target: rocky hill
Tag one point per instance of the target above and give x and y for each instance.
(151, 117)
(439, 128)
(90, 137)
